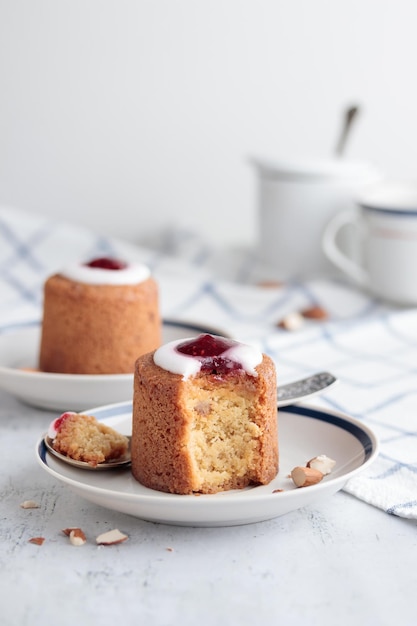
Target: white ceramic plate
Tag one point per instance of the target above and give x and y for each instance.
(69, 392)
(304, 431)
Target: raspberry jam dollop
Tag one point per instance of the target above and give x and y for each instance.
(56, 424)
(208, 350)
(106, 271)
(209, 353)
(107, 263)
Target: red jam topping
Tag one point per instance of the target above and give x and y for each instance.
(208, 350)
(60, 420)
(107, 263)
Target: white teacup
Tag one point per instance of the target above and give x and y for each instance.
(383, 228)
(297, 198)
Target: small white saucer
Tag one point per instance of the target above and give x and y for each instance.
(69, 392)
(304, 432)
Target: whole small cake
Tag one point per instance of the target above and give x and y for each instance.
(204, 417)
(98, 317)
(83, 438)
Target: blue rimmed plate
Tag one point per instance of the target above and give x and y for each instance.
(304, 432)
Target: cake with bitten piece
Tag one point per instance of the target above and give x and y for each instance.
(98, 317)
(204, 417)
(83, 438)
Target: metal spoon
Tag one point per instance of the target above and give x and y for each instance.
(349, 116)
(120, 462)
(290, 393)
(294, 392)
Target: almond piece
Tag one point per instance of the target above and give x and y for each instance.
(306, 476)
(322, 463)
(38, 541)
(29, 504)
(292, 321)
(68, 531)
(111, 537)
(76, 536)
(315, 313)
(270, 284)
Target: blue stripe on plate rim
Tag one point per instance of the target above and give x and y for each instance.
(193, 326)
(387, 210)
(341, 422)
(200, 328)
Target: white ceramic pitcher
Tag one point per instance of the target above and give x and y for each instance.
(296, 199)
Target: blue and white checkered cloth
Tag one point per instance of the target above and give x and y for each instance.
(370, 347)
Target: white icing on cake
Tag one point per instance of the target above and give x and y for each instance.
(132, 274)
(248, 356)
(169, 359)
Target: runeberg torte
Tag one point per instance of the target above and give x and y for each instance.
(98, 317)
(204, 417)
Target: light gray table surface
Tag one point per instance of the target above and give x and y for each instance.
(340, 561)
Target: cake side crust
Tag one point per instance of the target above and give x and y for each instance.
(205, 434)
(97, 329)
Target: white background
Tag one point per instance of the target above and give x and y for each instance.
(135, 115)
